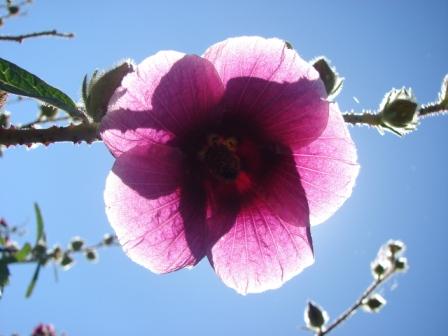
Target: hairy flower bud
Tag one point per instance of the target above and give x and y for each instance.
(40, 250)
(315, 317)
(76, 244)
(379, 268)
(13, 10)
(98, 91)
(332, 81)
(398, 112)
(67, 261)
(108, 239)
(91, 255)
(395, 247)
(56, 253)
(401, 264)
(374, 303)
(48, 111)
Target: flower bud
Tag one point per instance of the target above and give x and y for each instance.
(401, 264)
(315, 317)
(374, 303)
(13, 10)
(91, 255)
(379, 268)
(332, 81)
(108, 239)
(394, 247)
(398, 112)
(40, 249)
(67, 261)
(48, 111)
(76, 244)
(98, 91)
(56, 253)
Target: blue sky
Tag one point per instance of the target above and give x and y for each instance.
(401, 192)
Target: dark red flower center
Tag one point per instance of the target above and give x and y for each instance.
(220, 157)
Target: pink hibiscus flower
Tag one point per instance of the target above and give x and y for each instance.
(231, 156)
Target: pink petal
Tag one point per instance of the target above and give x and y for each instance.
(269, 242)
(159, 226)
(272, 85)
(328, 168)
(261, 251)
(168, 94)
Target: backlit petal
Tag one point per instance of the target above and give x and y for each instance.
(269, 241)
(159, 224)
(328, 168)
(272, 86)
(167, 95)
(261, 251)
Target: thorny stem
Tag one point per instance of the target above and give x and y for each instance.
(358, 303)
(87, 132)
(20, 38)
(432, 109)
(366, 118)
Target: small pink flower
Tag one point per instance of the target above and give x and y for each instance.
(230, 155)
(44, 329)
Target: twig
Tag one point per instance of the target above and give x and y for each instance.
(72, 133)
(359, 302)
(365, 118)
(20, 38)
(432, 110)
(51, 255)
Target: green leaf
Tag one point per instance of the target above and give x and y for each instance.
(40, 234)
(18, 81)
(33, 281)
(23, 252)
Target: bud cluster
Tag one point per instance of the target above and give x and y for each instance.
(389, 260)
(40, 254)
